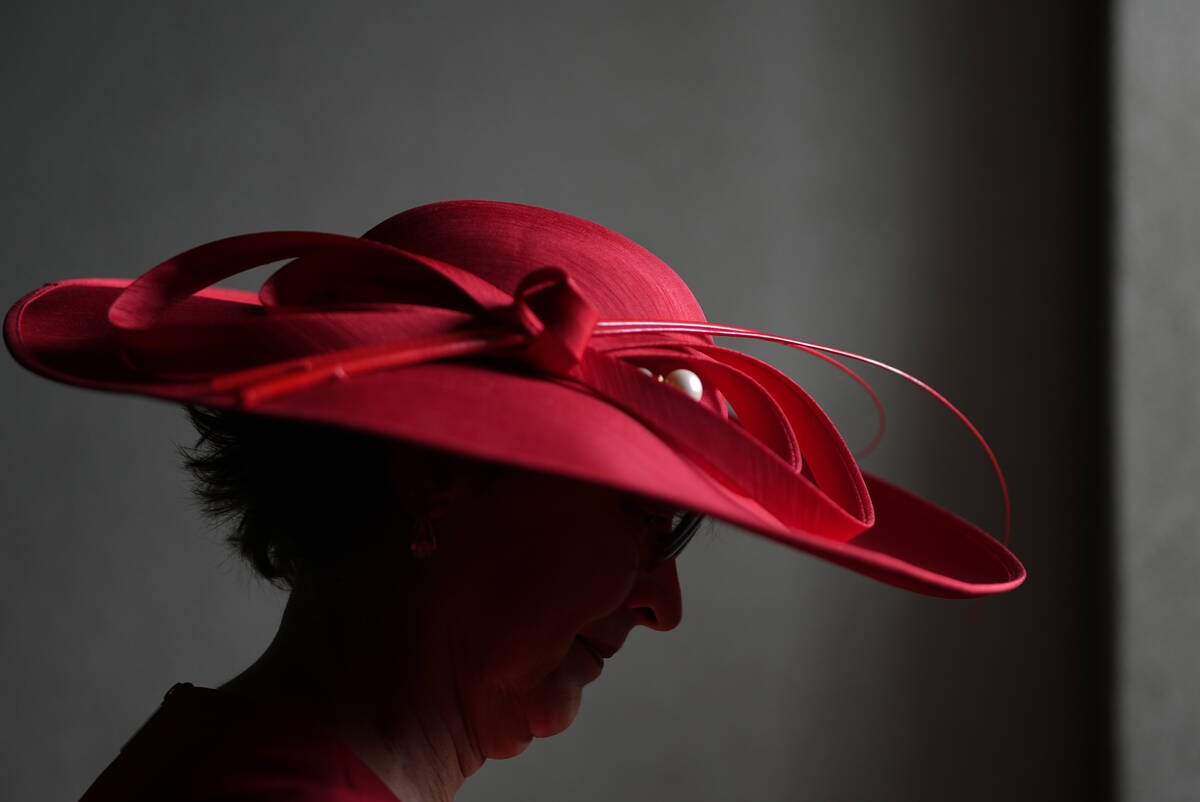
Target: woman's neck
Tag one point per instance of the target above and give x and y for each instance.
(387, 695)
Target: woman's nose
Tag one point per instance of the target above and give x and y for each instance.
(656, 598)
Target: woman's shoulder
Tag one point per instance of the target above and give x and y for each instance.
(206, 745)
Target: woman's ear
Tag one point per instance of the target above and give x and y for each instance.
(429, 485)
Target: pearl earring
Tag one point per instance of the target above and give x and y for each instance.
(425, 543)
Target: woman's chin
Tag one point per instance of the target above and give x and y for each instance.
(541, 725)
(555, 709)
(546, 709)
(503, 750)
(549, 712)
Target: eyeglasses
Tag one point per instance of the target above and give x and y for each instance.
(670, 532)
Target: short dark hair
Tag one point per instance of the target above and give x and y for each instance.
(295, 495)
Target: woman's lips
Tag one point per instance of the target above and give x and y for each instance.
(597, 650)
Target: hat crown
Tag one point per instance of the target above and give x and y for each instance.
(503, 243)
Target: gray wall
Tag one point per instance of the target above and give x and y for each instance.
(901, 179)
(1157, 383)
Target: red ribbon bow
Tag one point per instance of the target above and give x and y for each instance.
(546, 323)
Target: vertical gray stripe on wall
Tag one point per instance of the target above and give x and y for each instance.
(1157, 106)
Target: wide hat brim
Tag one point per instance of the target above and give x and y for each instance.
(513, 413)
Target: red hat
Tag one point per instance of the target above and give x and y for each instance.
(517, 335)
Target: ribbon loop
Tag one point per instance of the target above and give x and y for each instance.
(548, 306)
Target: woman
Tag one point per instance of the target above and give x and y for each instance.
(471, 443)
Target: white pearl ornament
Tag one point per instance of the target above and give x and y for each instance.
(687, 382)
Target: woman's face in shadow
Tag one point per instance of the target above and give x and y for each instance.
(542, 580)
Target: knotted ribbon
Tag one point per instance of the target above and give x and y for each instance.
(546, 325)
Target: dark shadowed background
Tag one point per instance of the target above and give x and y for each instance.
(924, 182)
